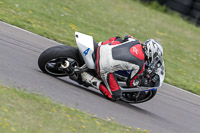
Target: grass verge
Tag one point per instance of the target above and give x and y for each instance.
(21, 112)
(58, 20)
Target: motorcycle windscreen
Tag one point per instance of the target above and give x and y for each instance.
(161, 72)
(158, 66)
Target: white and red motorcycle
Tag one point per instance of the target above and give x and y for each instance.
(66, 60)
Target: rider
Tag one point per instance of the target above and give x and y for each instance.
(122, 54)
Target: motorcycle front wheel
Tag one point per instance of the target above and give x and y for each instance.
(138, 97)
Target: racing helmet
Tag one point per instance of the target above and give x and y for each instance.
(153, 49)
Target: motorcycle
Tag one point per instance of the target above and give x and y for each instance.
(69, 61)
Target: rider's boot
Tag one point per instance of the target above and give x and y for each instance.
(93, 81)
(107, 93)
(98, 85)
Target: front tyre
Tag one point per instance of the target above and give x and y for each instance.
(59, 61)
(138, 97)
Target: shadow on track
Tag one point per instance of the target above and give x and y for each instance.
(80, 86)
(121, 103)
(133, 107)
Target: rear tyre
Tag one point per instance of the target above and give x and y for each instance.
(196, 6)
(185, 2)
(183, 8)
(195, 14)
(59, 60)
(195, 17)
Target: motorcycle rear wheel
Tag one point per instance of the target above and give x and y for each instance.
(59, 60)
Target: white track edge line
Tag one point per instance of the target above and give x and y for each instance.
(183, 90)
(28, 32)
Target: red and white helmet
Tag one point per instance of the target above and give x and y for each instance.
(153, 49)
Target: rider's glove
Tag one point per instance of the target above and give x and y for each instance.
(140, 82)
(155, 78)
(136, 82)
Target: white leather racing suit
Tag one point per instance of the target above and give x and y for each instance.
(114, 55)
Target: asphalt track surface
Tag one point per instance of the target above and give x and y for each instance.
(172, 110)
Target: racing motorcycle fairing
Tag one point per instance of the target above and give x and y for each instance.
(85, 44)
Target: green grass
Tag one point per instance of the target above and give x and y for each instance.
(21, 112)
(58, 19)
